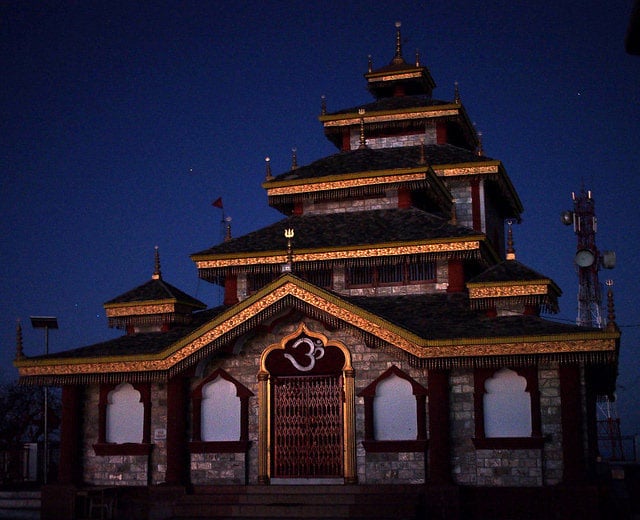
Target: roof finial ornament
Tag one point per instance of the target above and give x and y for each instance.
(369, 63)
(511, 252)
(19, 347)
(456, 94)
(157, 274)
(268, 176)
(611, 312)
(480, 149)
(288, 234)
(397, 59)
(294, 158)
(363, 141)
(417, 57)
(227, 229)
(323, 105)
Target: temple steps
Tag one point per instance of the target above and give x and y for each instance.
(308, 502)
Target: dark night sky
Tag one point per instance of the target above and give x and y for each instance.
(122, 121)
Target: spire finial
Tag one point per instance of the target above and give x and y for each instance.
(157, 274)
(417, 57)
(611, 312)
(227, 229)
(19, 351)
(480, 149)
(511, 252)
(288, 234)
(397, 59)
(369, 63)
(456, 93)
(294, 158)
(268, 176)
(363, 141)
(323, 105)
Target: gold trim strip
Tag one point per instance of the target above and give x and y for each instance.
(397, 116)
(511, 290)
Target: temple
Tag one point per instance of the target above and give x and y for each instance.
(380, 340)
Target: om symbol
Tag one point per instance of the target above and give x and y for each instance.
(313, 353)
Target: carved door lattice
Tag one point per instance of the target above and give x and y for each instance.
(307, 427)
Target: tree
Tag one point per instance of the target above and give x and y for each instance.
(21, 414)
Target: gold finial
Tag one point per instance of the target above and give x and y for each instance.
(417, 57)
(363, 141)
(397, 59)
(511, 252)
(227, 229)
(456, 94)
(323, 105)
(480, 149)
(19, 348)
(268, 175)
(288, 234)
(611, 313)
(294, 158)
(369, 63)
(157, 274)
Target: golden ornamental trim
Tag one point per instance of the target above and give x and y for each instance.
(139, 309)
(389, 76)
(447, 170)
(343, 254)
(390, 116)
(512, 289)
(589, 341)
(307, 186)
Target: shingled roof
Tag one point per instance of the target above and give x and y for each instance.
(375, 159)
(394, 103)
(340, 230)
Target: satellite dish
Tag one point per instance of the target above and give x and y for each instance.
(584, 258)
(567, 217)
(608, 259)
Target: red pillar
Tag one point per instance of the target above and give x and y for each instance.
(439, 428)
(441, 133)
(231, 290)
(571, 416)
(404, 198)
(456, 276)
(177, 452)
(70, 469)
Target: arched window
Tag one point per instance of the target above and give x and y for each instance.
(124, 419)
(395, 413)
(125, 415)
(220, 415)
(507, 408)
(220, 411)
(394, 410)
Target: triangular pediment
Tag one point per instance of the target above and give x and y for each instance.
(286, 293)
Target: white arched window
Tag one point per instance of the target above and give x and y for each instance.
(507, 405)
(220, 411)
(124, 415)
(394, 410)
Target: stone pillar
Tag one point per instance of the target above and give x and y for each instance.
(177, 452)
(263, 428)
(350, 472)
(439, 428)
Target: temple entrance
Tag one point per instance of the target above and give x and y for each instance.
(308, 427)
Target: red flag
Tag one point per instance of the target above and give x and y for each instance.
(217, 203)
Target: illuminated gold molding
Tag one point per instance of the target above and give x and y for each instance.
(308, 187)
(589, 341)
(507, 290)
(346, 120)
(117, 310)
(343, 254)
(385, 76)
(446, 170)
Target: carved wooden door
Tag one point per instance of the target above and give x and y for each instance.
(307, 426)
